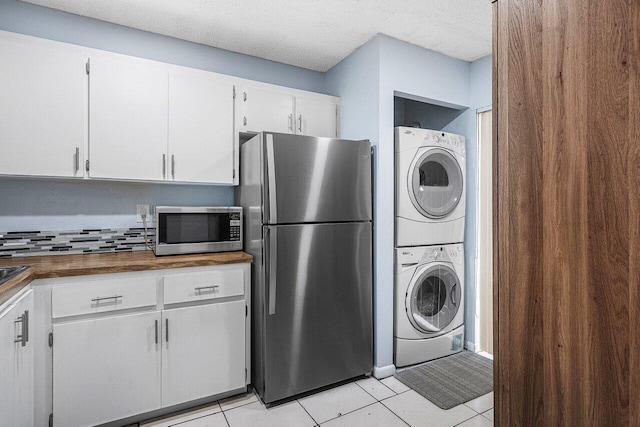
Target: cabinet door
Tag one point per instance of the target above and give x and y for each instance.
(23, 363)
(106, 369)
(128, 119)
(268, 110)
(316, 116)
(7, 363)
(16, 365)
(200, 128)
(203, 351)
(43, 93)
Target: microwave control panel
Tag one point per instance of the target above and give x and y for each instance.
(234, 226)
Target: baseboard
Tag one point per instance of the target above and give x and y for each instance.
(381, 372)
(485, 354)
(471, 346)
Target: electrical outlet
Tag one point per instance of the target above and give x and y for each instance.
(143, 210)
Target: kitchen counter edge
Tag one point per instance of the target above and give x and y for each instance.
(44, 267)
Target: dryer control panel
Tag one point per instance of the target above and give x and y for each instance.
(415, 138)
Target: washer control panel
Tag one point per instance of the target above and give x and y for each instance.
(406, 257)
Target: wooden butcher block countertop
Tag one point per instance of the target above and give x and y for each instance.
(43, 267)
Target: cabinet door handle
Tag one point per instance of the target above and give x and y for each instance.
(164, 165)
(291, 122)
(156, 331)
(173, 166)
(166, 330)
(98, 299)
(23, 338)
(77, 159)
(204, 288)
(300, 123)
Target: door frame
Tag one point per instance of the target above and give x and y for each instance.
(484, 289)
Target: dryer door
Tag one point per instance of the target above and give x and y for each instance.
(435, 182)
(433, 298)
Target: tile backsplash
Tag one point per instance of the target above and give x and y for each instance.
(36, 243)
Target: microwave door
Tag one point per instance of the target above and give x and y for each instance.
(195, 230)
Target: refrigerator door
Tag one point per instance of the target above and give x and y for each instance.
(316, 307)
(309, 179)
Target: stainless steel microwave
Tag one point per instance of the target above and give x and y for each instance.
(190, 230)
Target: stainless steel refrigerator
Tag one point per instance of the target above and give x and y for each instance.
(307, 206)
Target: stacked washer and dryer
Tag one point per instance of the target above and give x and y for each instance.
(429, 252)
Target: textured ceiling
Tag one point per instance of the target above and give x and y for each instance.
(313, 34)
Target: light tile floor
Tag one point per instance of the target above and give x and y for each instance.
(363, 403)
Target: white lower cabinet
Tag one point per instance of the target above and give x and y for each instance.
(203, 351)
(105, 369)
(135, 354)
(16, 363)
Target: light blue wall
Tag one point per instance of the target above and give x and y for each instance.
(46, 204)
(408, 69)
(381, 69)
(481, 82)
(429, 116)
(51, 204)
(355, 79)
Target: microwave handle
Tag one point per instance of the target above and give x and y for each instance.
(271, 181)
(272, 245)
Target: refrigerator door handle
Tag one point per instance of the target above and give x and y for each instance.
(273, 260)
(271, 181)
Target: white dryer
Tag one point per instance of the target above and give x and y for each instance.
(430, 187)
(429, 303)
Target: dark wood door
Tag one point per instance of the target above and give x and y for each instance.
(567, 212)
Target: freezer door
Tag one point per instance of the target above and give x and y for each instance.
(309, 179)
(317, 307)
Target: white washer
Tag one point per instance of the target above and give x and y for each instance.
(430, 187)
(429, 303)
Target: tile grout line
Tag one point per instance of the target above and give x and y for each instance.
(391, 410)
(225, 417)
(464, 421)
(483, 414)
(239, 406)
(370, 394)
(186, 414)
(305, 410)
(397, 394)
(347, 413)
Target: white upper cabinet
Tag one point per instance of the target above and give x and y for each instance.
(289, 111)
(42, 108)
(71, 111)
(317, 116)
(201, 140)
(127, 119)
(267, 110)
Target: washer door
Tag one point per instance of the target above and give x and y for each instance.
(433, 298)
(435, 183)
